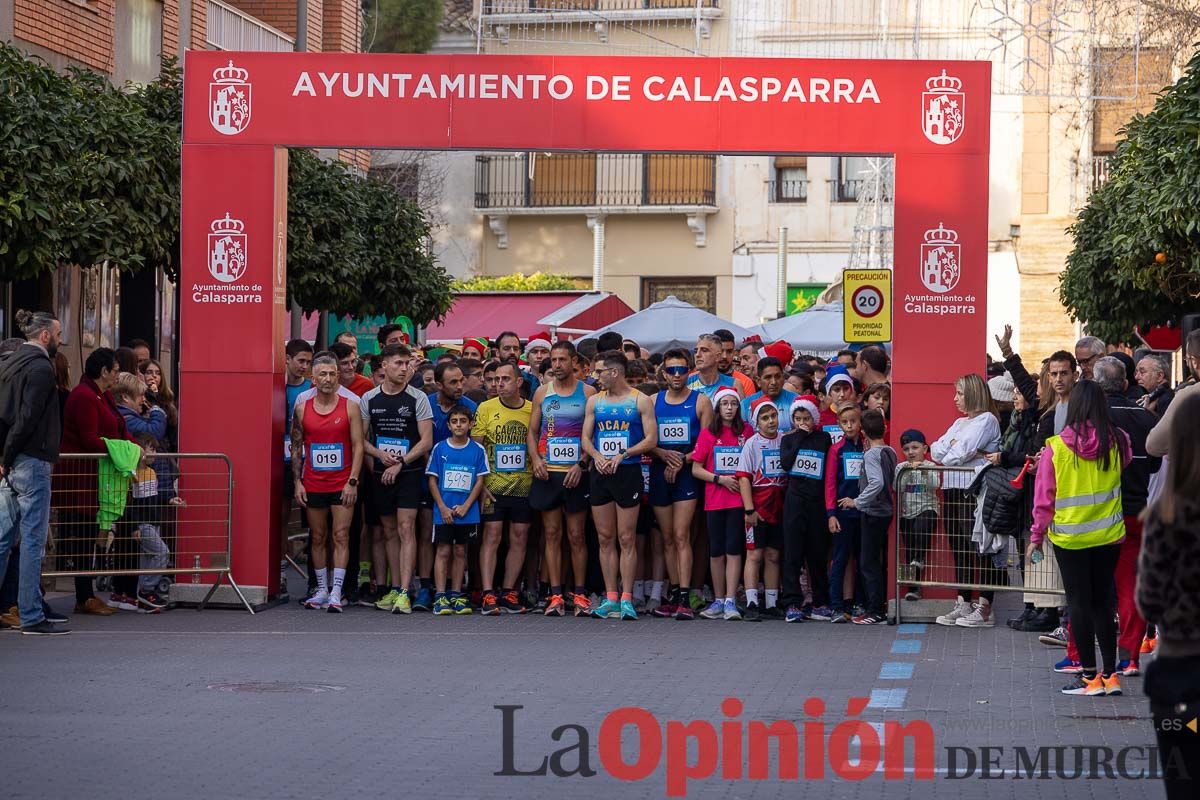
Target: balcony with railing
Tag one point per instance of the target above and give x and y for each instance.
(599, 15)
(232, 29)
(1101, 164)
(783, 190)
(596, 185)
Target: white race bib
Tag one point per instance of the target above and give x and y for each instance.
(852, 464)
(611, 443)
(674, 430)
(562, 450)
(396, 448)
(326, 457)
(809, 464)
(510, 458)
(457, 479)
(835, 432)
(726, 459)
(772, 464)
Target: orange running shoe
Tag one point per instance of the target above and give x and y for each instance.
(583, 606)
(510, 603)
(489, 608)
(1148, 644)
(556, 607)
(1112, 684)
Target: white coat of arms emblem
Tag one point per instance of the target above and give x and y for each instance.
(943, 109)
(940, 260)
(229, 100)
(227, 249)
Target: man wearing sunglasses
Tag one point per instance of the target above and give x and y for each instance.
(674, 493)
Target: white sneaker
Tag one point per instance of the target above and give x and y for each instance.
(318, 600)
(335, 604)
(961, 609)
(980, 617)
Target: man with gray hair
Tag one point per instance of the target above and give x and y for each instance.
(1156, 443)
(1137, 422)
(708, 377)
(1088, 350)
(30, 431)
(1154, 375)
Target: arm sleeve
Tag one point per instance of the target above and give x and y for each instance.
(35, 397)
(87, 421)
(424, 410)
(154, 424)
(942, 443)
(704, 445)
(1044, 490)
(481, 459)
(749, 461)
(1025, 382)
(1156, 441)
(430, 463)
(787, 451)
(831, 475)
(873, 469)
(978, 434)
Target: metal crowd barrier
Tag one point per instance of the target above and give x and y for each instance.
(170, 521)
(938, 544)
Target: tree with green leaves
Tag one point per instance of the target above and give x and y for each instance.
(1136, 260)
(401, 26)
(517, 282)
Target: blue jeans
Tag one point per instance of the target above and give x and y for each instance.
(25, 509)
(844, 546)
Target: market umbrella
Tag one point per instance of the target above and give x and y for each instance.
(671, 323)
(816, 331)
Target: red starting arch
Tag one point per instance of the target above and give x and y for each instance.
(242, 110)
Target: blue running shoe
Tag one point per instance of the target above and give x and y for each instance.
(628, 612)
(607, 610)
(424, 599)
(715, 610)
(730, 610)
(821, 614)
(794, 615)
(1068, 667)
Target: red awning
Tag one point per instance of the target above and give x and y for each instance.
(489, 313)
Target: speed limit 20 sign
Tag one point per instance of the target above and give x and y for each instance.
(867, 305)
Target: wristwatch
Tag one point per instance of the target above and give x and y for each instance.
(352, 482)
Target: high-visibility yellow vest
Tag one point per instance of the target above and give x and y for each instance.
(1087, 503)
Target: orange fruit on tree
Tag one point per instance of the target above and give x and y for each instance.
(1160, 258)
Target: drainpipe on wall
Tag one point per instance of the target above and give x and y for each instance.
(596, 223)
(781, 275)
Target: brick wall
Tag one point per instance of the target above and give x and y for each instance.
(199, 25)
(341, 26)
(281, 14)
(83, 33)
(170, 29)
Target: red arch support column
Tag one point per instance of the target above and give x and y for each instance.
(233, 281)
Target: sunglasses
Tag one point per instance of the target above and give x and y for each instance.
(675, 371)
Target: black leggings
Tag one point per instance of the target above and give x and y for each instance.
(805, 545)
(969, 565)
(1087, 576)
(75, 537)
(726, 533)
(916, 533)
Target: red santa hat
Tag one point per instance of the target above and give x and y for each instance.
(538, 340)
(478, 344)
(723, 392)
(781, 350)
(808, 403)
(760, 405)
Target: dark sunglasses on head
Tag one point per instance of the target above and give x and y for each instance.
(676, 371)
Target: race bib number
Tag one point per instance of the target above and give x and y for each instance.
(326, 457)
(562, 450)
(809, 464)
(852, 464)
(835, 432)
(396, 448)
(674, 430)
(612, 443)
(725, 460)
(457, 479)
(510, 458)
(772, 464)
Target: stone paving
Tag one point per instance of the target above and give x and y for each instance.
(301, 704)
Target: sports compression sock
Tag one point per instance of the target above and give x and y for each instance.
(339, 577)
(322, 580)
(752, 596)
(656, 590)
(772, 597)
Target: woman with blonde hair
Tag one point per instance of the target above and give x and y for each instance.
(970, 438)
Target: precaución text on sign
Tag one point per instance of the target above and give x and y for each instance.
(868, 305)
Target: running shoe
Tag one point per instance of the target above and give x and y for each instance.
(715, 610)
(122, 601)
(386, 602)
(696, 600)
(912, 595)
(1068, 666)
(424, 599)
(151, 601)
(730, 610)
(1056, 638)
(510, 603)
(1148, 644)
(628, 611)
(1026, 615)
(489, 607)
(869, 619)
(530, 601)
(1112, 684)
(609, 609)
(857, 611)
(1129, 668)
(402, 605)
(980, 617)
(364, 574)
(461, 607)
(319, 600)
(369, 596)
(794, 614)
(841, 616)
(336, 603)
(556, 607)
(821, 614)
(961, 609)
(773, 612)
(1091, 687)
(666, 609)
(653, 604)
(753, 614)
(581, 604)
(684, 612)
(441, 606)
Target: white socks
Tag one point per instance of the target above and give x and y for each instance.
(752, 596)
(656, 590)
(772, 597)
(339, 577)
(322, 580)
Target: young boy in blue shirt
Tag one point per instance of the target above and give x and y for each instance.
(456, 468)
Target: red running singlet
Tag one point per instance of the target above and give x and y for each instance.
(327, 447)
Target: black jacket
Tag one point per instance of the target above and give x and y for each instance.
(30, 423)
(791, 444)
(1135, 478)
